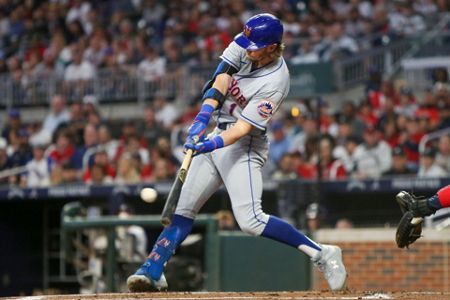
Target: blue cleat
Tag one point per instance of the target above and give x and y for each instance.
(141, 281)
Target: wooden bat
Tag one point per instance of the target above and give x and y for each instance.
(175, 190)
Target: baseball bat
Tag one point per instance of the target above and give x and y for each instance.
(175, 190)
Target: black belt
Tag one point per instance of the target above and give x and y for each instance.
(224, 126)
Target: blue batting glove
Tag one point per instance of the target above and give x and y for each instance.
(206, 146)
(197, 130)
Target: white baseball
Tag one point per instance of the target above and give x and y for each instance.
(149, 195)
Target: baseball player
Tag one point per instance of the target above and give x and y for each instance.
(414, 209)
(247, 88)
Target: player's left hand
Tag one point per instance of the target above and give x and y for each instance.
(206, 146)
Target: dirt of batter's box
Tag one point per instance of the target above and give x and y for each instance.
(344, 295)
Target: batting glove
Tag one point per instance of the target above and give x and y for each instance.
(196, 132)
(206, 146)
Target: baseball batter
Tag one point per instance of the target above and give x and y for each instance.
(246, 90)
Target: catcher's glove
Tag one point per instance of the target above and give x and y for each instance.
(409, 229)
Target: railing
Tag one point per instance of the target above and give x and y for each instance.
(356, 70)
(110, 85)
(185, 82)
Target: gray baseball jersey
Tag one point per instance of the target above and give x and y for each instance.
(254, 95)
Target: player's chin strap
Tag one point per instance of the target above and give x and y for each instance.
(167, 242)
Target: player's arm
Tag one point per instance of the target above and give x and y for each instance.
(227, 137)
(236, 132)
(220, 85)
(214, 94)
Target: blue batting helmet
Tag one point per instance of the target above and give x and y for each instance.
(260, 31)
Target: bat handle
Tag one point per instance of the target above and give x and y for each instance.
(187, 159)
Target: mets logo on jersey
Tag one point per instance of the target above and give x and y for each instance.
(265, 109)
(247, 31)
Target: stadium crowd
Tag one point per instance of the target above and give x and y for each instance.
(76, 39)
(379, 136)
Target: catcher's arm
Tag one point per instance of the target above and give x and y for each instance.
(409, 229)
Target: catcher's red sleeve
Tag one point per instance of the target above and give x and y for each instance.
(444, 196)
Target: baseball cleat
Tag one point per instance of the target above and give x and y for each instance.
(329, 261)
(142, 282)
(418, 206)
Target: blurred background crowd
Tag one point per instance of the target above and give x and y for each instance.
(376, 134)
(76, 37)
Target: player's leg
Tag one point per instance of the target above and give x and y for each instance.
(244, 183)
(201, 182)
(420, 206)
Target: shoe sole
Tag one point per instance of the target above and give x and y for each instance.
(140, 284)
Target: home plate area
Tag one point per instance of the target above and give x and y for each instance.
(346, 295)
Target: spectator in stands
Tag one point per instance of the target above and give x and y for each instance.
(338, 44)
(344, 223)
(374, 156)
(14, 124)
(153, 67)
(134, 147)
(151, 129)
(107, 142)
(444, 117)
(443, 154)
(425, 7)
(399, 164)
(161, 171)
(69, 173)
(98, 176)
(280, 143)
(405, 21)
(165, 112)
(286, 169)
(428, 166)
(96, 52)
(100, 160)
(22, 153)
(409, 139)
(330, 168)
(407, 105)
(84, 154)
(63, 151)
(306, 54)
(57, 116)
(78, 74)
(391, 133)
(77, 122)
(367, 115)
(127, 171)
(163, 150)
(309, 129)
(4, 162)
(37, 172)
